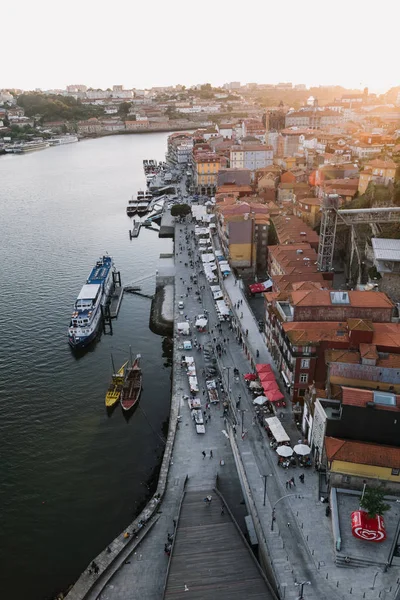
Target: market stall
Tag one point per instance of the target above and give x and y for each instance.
(277, 430)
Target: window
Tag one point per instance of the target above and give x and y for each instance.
(396, 472)
(306, 349)
(303, 377)
(305, 363)
(301, 393)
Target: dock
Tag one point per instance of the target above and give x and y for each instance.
(115, 301)
(135, 230)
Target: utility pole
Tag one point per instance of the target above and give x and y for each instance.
(265, 485)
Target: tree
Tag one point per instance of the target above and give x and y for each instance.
(372, 502)
(180, 210)
(124, 108)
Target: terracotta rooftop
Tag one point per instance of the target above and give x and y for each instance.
(362, 453)
(381, 164)
(360, 325)
(356, 299)
(368, 352)
(307, 333)
(343, 356)
(311, 201)
(386, 335)
(360, 397)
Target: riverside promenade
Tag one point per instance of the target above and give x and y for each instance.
(300, 547)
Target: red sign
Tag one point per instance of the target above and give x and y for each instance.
(369, 530)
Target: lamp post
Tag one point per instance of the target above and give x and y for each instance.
(242, 410)
(229, 370)
(273, 508)
(302, 584)
(265, 485)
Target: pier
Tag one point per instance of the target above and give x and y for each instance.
(115, 302)
(134, 232)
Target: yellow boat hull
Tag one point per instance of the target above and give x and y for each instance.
(114, 391)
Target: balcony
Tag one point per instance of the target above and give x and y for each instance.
(285, 310)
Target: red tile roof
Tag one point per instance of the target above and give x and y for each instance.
(357, 299)
(360, 397)
(362, 453)
(368, 351)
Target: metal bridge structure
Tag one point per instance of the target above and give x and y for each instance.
(332, 217)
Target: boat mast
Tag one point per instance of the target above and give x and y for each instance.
(112, 363)
(130, 354)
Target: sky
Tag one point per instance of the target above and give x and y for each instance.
(47, 44)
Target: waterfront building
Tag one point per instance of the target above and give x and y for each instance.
(206, 167)
(251, 156)
(243, 232)
(301, 327)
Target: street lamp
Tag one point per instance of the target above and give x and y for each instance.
(302, 584)
(265, 485)
(273, 508)
(229, 370)
(242, 410)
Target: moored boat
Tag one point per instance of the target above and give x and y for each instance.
(114, 391)
(86, 318)
(132, 386)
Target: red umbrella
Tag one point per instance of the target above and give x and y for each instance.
(275, 396)
(266, 376)
(260, 368)
(250, 376)
(270, 386)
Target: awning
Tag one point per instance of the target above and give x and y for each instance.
(266, 376)
(269, 386)
(275, 395)
(262, 368)
(183, 328)
(254, 385)
(201, 323)
(277, 429)
(250, 376)
(257, 288)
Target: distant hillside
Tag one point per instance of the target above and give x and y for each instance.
(55, 107)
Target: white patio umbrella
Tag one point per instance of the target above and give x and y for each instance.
(284, 451)
(302, 449)
(260, 400)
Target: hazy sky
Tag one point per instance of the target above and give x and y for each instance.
(47, 44)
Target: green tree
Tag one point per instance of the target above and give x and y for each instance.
(373, 503)
(180, 210)
(124, 108)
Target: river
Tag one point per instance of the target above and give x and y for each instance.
(72, 477)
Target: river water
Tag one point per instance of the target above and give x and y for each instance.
(71, 476)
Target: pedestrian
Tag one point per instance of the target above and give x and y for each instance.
(170, 537)
(238, 404)
(204, 454)
(211, 454)
(301, 477)
(174, 521)
(204, 391)
(241, 315)
(247, 332)
(235, 281)
(257, 353)
(293, 481)
(287, 484)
